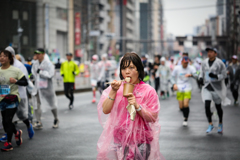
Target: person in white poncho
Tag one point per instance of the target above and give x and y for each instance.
(94, 68)
(164, 73)
(212, 75)
(44, 95)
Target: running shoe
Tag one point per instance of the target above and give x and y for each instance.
(210, 128)
(235, 103)
(55, 123)
(38, 125)
(94, 100)
(184, 124)
(18, 137)
(220, 128)
(7, 147)
(167, 94)
(163, 97)
(30, 131)
(4, 138)
(70, 106)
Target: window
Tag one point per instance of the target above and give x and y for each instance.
(25, 15)
(62, 13)
(15, 39)
(25, 40)
(15, 14)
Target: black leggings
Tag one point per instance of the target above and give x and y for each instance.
(9, 127)
(209, 113)
(157, 83)
(68, 90)
(234, 90)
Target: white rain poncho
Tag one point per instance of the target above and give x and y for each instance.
(104, 71)
(164, 73)
(218, 85)
(22, 112)
(44, 85)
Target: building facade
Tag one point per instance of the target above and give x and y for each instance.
(15, 16)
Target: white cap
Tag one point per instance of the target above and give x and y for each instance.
(10, 49)
(163, 59)
(95, 57)
(234, 57)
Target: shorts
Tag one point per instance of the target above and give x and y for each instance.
(183, 95)
(93, 82)
(4, 105)
(211, 95)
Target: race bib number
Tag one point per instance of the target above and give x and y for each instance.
(4, 90)
(43, 83)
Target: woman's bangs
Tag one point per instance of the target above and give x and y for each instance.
(125, 63)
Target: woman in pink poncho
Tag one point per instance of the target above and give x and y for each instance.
(122, 138)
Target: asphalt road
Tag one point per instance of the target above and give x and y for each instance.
(79, 130)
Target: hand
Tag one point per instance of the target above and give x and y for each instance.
(175, 88)
(228, 72)
(31, 77)
(131, 99)
(213, 75)
(73, 72)
(38, 70)
(201, 81)
(188, 75)
(12, 80)
(62, 75)
(116, 85)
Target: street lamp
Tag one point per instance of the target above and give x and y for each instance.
(19, 30)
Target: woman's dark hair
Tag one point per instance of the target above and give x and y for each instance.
(136, 60)
(9, 55)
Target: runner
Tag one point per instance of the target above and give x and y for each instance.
(94, 75)
(125, 137)
(234, 72)
(104, 73)
(44, 94)
(156, 65)
(10, 78)
(213, 72)
(164, 74)
(22, 110)
(69, 70)
(183, 86)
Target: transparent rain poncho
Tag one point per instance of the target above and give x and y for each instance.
(44, 85)
(164, 73)
(126, 139)
(218, 85)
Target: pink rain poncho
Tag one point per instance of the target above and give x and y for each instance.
(123, 139)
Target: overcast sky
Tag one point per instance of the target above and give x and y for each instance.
(182, 22)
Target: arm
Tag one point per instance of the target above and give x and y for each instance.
(223, 72)
(47, 73)
(108, 103)
(150, 106)
(61, 69)
(21, 82)
(201, 72)
(76, 69)
(173, 77)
